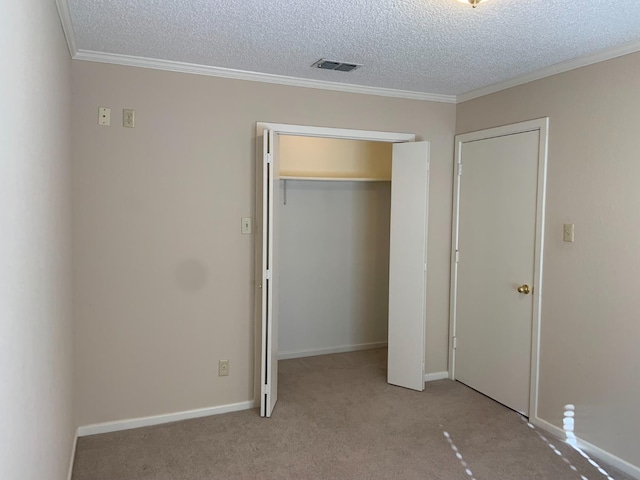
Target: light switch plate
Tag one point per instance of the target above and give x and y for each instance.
(247, 225)
(569, 233)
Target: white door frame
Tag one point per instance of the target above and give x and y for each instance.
(542, 126)
(306, 131)
(309, 131)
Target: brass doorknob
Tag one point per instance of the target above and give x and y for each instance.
(524, 289)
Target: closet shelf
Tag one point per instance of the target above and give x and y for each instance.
(334, 179)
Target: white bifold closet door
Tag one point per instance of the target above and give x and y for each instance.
(407, 267)
(269, 284)
(408, 264)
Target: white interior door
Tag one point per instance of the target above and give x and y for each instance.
(269, 303)
(498, 198)
(407, 264)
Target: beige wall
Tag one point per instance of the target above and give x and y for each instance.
(164, 278)
(333, 157)
(590, 326)
(36, 360)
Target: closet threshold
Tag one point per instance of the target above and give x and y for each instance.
(334, 179)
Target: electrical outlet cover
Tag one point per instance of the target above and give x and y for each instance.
(128, 118)
(223, 368)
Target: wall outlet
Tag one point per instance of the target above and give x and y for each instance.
(223, 368)
(128, 118)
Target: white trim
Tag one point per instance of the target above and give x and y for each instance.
(67, 26)
(128, 424)
(512, 129)
(549, 427)
(347, 134)
(538, 259)
(432, 377)
(329, 351)
(561, 67)
(591, 449)
(73, 454)
(541, 125)
(193, 68)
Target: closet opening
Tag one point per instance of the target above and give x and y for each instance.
(341, 230)
(335, 211)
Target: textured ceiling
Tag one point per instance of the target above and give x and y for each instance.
(431, 46)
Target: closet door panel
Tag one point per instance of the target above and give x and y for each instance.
(270, 271)
(407, 264)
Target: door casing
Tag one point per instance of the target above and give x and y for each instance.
(542, 126)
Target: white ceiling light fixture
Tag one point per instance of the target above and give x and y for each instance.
(473, 3)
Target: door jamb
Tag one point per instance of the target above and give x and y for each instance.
(306, 131)
(541, 125)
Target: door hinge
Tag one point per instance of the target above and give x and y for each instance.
(267, 274)
(425, 266)
(455, 343)
(457, 256)
(459, 169)
(265, 389)
(269, 158)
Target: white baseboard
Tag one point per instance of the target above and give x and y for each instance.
(432, 377)
(128, 424)
(73, 454)
(549, 427)
(591, 449)
(327, 351)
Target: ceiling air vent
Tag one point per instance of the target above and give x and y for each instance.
(333, 65)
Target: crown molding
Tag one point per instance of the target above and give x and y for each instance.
(562, 67)
(196, 69)
(67, 26)
(192, 68)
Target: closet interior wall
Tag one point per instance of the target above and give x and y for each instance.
(334, 244)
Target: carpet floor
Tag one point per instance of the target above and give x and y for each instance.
(337, 418)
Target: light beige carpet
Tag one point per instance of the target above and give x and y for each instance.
(336, 418)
